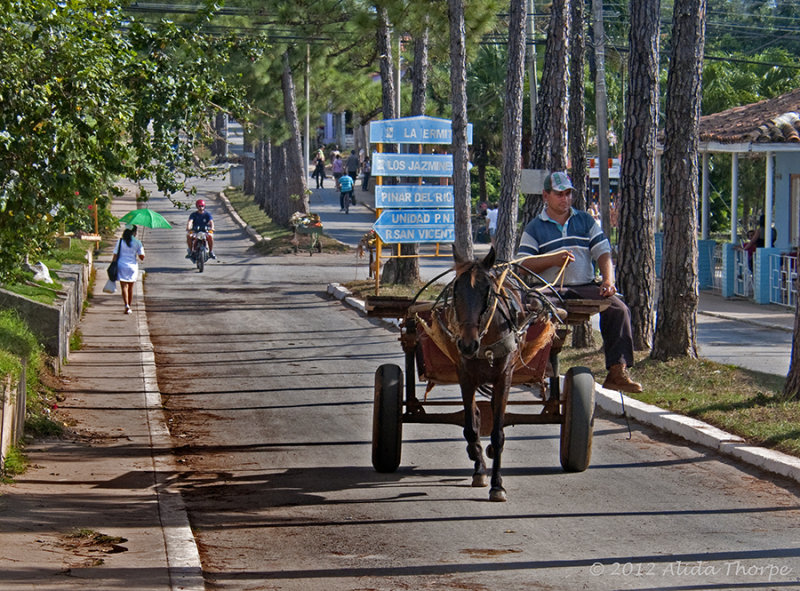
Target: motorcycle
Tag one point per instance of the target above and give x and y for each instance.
(200, 250)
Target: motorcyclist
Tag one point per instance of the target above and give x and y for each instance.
(200, 221)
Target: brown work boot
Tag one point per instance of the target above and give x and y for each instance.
(618, 379)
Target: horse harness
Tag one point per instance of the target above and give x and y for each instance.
(512, 309)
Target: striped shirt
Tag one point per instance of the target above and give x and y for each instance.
(581, 235)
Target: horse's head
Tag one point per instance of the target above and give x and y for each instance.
(473, 290)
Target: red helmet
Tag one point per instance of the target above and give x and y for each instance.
(199, 203)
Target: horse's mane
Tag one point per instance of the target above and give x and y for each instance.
(470, 267)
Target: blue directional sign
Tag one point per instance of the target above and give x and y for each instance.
(416, 226)
(421, 165)
(413, 196)
(414, 130)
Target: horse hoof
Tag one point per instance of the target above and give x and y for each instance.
(480, 480)
(498, 495)
(490, 452)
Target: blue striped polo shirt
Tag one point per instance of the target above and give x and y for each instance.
(581, 235)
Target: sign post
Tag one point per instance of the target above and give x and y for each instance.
(408, 214)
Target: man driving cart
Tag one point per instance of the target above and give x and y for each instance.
(571, 240)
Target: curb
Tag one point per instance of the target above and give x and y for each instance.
(687, 428)
(237, 218)
(748, 321)
(183, 557)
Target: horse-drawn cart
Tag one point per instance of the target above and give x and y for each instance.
(432, 358)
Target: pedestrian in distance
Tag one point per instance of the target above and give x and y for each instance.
(491, 221)
(346, 192)
(337, 168)
(352, 165)
(366, 171)
(128, 252)
(319, 169)
(567, 241)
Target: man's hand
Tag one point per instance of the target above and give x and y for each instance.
(607, 289)
(561, 257)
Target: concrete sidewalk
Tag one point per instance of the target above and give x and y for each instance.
(111, 478)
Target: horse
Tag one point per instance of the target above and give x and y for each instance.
(483, 319)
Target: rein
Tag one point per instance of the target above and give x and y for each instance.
(506, 344)
(514, 337)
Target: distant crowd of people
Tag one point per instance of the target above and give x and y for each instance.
(353, 165)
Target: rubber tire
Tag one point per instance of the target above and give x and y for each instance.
(576, 430)
(201, 259)
(387, 424)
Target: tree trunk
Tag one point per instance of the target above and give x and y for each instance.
(791, 389)
(582, 334)
(249, 164)
(506, 240)
(601, 112)
(280, 211)
(296, 169)
(269, 153)
(549, 144)
(419, 88)
(261, 172)
(636, 261)
(676, 328)
(458, 95)
(408, 268)
(386, 66)
(220, 146)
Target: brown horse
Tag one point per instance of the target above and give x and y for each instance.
(483, 320)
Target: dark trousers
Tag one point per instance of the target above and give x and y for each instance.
(345, 195)
(615, 322)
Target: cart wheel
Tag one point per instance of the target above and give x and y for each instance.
(387, 426)
(576, 430)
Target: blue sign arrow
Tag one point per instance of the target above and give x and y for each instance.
(410, 196)
(417, 165)
(414, 130)
(412, 226)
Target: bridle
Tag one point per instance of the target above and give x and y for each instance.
(516, 324)
(510, 338)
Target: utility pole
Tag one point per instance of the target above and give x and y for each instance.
(399, 74)
(308, 103)
(530, 57)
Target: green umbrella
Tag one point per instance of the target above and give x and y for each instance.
(145, 217)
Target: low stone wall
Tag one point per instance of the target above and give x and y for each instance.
(53, 325)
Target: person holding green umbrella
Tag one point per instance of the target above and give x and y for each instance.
(146, 218)
(128, 252)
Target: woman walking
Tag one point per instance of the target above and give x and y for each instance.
(128, 253)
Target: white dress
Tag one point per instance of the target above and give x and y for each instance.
(128, 259)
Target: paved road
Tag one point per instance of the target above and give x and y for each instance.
(269, 385)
